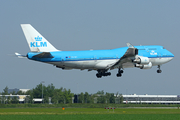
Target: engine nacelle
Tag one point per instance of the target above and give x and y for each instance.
(142, 60)
(148, 66)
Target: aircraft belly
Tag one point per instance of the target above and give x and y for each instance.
(103, 64)
(81, 64)
(160, 61)
(55, 63)
(89, 64)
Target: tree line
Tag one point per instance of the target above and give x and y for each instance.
(61, 95)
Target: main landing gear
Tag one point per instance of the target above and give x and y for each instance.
(119, 74)
(102, 73)
(159, 69)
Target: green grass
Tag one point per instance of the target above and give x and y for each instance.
(93, 117)
(85, 105)
(88, 114)
(38, 111)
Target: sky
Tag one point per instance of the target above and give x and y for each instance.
(90, 24)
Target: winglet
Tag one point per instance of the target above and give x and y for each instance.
(130, 46)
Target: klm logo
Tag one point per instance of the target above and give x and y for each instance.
(38, 42)
(153, 52)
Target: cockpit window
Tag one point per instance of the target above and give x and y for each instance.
(164, 48)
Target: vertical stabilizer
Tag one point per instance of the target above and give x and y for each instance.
(36, 42)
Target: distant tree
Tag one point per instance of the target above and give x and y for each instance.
(81, 98)
(3, 99)
(20, 93)
(29, 92)
(55, 98)
(92, 98)
(108, 95)
(8, 100)
(121, 98)
(87, 98)
(5, 91)
(13, 93)
(48, 91)
(101, 99)
(46, 99)
(68, 95)
(37, 92)
(100, 92)
(58, 96)
(15, 100)
(112, 98)
(27, 99)
(30, 97)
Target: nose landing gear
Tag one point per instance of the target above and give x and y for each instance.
(159, 69)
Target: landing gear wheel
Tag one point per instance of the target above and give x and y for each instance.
(102, 73)
(159, 71)
(118, 75)
(108, 73)
(98, 75)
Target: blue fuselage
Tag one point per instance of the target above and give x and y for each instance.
(63, 56)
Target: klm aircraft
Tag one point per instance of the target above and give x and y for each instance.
(143, 57)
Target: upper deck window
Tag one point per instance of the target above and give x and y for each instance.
(152, 49)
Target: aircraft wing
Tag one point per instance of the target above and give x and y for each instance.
(126, 58)
(44, 55)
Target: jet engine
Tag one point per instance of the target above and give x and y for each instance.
(147, 66)
(142, 60)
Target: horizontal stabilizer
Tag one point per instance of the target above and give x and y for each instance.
(20, 56)
(44, 55)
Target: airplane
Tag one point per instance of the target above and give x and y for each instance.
(143, 57)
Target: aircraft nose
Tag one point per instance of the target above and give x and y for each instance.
(172, 56)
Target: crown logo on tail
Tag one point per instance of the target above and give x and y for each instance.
(38, 38)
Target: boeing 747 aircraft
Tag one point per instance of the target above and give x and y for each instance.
(143, 57)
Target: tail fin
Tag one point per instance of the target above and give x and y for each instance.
(36, 42)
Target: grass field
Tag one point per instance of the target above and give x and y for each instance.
(88, 114)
